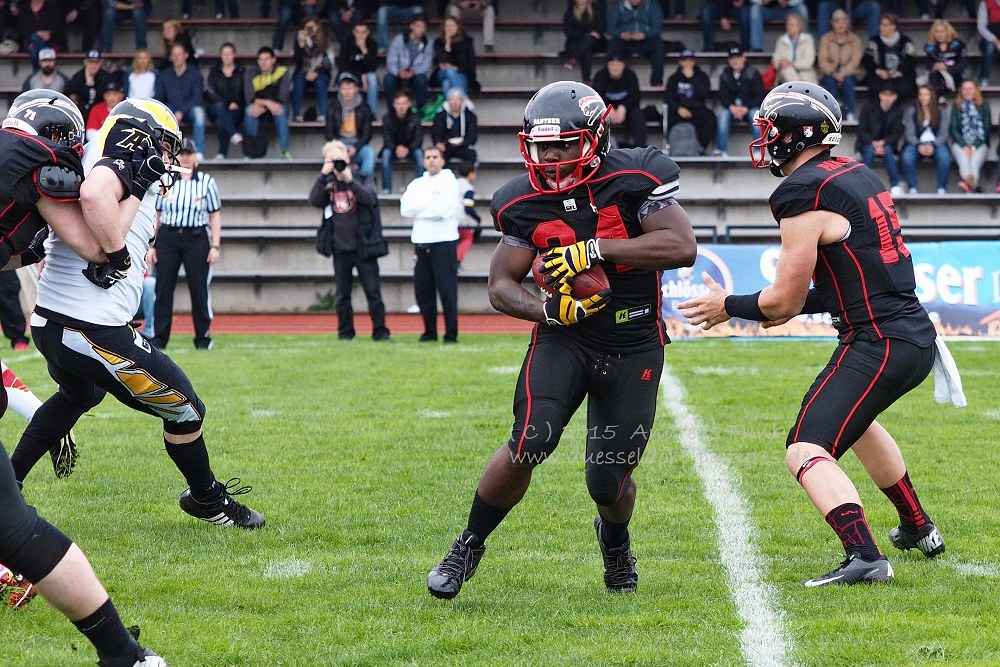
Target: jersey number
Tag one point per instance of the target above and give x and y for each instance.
(883, 212)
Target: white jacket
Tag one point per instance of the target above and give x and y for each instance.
(435, 206)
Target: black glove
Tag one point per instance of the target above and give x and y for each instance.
(35, 252)
(147, 168)
(109, 273)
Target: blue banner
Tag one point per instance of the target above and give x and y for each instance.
(958, 282)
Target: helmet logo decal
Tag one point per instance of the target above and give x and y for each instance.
(539, 131)
(592, 107)
(824, 127)
(807, 131)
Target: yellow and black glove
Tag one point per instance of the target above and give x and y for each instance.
(566, 261)
(564, 310)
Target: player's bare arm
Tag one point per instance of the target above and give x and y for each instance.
(508, 267)
(68, 223)
(108, 217)
(668, 242)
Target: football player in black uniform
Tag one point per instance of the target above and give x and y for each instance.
(39, 180)
(581, 204)
(839, 229)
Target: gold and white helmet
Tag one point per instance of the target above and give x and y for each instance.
(157, 116)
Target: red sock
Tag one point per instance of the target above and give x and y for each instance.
(849, 522)
(911, 515)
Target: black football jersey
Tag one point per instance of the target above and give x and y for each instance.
(21, 156)
(866, 281)
(606, 206)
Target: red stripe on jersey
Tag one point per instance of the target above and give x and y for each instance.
(798, 426)
(38, 141)
(864, 289)
(527, 389)
(831, 177)
(854, 409)
(836, 288)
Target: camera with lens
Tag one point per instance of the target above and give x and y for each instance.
(339, 165)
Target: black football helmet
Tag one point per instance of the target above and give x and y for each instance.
(47, 114)
(565, 111)
(793, 117)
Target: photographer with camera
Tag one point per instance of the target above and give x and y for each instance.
(313, 66)
(351, 232)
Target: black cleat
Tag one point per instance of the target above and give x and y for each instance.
(855, 570)
(928, 540)
(64, 455)
(619, 564)
(458, 566)
(225, 511)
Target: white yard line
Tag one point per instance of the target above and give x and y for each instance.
(764, 640)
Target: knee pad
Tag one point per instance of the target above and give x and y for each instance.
(38, 553)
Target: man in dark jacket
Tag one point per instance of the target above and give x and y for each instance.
(634, 27)
(741, 90)
(350, 121)
(686, 95)
(880, 129)
(618, 86)
(402, 139)
(456, 129)
(891, 59)
(181, 88)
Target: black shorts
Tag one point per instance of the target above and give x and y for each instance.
(863, 378)
(88, 361)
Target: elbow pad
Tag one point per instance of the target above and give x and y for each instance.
(60, 183)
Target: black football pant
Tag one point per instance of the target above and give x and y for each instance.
(437, 269)
(11, 316)
(187, 246)
(344, 264)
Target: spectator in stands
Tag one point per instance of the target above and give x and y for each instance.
(268, 89)
(926, 136)
(343, 15)
(358, 56)
(181, 87)
(762, 11)
(890, 58)
(86, 15)
(436, 208)
(584, 30)
(729, 14)
(350, 205)
(839, 60)
(456, 129)
(476, 11)
(396, 11)
(173, 32)
(946, 59)
(867, 11)
(794, 54)
(220, 8)
(741, 90)
(454, 58)
(41, 24)
(880, 130)
(619, 86)
(225, 97)
(46, 77)
(410, 61)
(290, 11)
(686, 95)
(313, 60)
(988, 27)
(634, 29)
(114, 11)
(350, 121)
(86, 85)
(142, 78)
(402, 139)
(470, 229)
(969, 128)
(114, 92)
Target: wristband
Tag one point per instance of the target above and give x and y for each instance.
(119, 257)
(745, 307)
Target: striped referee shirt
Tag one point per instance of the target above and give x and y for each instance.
(189, 201)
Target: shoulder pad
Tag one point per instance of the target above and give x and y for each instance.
(59, 182)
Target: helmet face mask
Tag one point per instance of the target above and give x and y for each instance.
(166, 132)
(49, 115)
(793, 117)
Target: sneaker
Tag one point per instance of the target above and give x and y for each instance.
(414, 309)
(570, 64)
(851, 118)
(287, 155)
(15, 589)
(298, 118)
(20, 346)
(458, 566)
(619, 564)
(236, 139)
(854, 570)
(914, 191)
(896, 191)
(966, 188)
(149, 659)
(225, 511)
(942, 191)
(928, 540)
(64, 455)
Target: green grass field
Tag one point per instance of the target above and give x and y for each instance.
(364, 459)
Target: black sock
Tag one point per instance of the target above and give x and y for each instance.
(192, 460)
(484, 518)
(106, 632)
(912, 516)
(849, 522)
(613, 535)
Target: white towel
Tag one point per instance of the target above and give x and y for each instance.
(947, 381)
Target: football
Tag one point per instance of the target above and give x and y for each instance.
(585, 284)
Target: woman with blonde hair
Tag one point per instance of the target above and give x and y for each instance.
(946, 58)
(795, 52)
(142, 78)
(970, 134)
(173, 32)
(584, 27)
(926, 136)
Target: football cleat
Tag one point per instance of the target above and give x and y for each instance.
(458, 566)
(855, 570)
(64, 455)
(928, 540)
(15, 589)
(620, 575)
(224, 511)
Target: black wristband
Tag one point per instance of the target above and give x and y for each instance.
(119, 257)
(745, 307)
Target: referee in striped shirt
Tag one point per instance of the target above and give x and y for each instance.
(188, 229)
